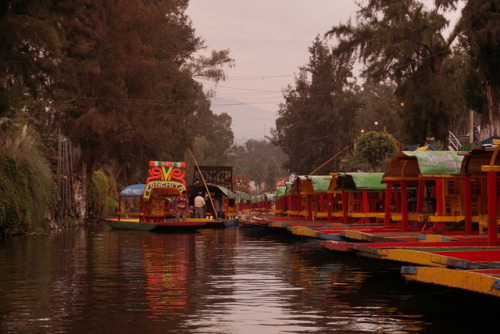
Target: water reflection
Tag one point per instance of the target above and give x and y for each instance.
(214, 281)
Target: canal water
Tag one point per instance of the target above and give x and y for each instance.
(238, 280)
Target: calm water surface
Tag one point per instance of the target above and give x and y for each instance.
(97, 280)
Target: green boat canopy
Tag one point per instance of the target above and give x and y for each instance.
(424, 163)
(368, 181)
(280, 191)
(270, 197)
(319, 184)
(256, 199)
(243, 195)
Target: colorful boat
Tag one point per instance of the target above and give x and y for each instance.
(150, 206)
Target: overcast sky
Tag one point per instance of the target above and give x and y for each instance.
(269, 41)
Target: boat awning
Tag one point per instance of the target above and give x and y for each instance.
(437, 162)
(215, 188)
(423, 164)
(133, 190)
(314, 184)
(243, 195)
(270, 197)
(280, 190)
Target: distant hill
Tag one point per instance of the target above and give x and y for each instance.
(249, 122)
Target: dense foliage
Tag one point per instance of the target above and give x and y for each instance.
(102, 191)
(260, 159)
(27, 186)
(317, 118)
(371, 153)
(117, 77)
(14, 212)
(405, 42)
(481, 23)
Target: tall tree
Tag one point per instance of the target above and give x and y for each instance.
(213, 145)
(373, 150)
(317, 118)
(135, 95)
(29, 59)
(403, 41)
(482, 27)
(380, 109)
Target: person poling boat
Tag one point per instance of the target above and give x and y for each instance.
(181, 206)
(199, 206)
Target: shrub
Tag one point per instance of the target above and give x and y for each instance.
(373, 150)
(101, 202)
(26, 182)
(14, 207)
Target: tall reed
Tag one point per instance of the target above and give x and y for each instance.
(27, 184)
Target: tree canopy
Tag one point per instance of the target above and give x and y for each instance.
(118, 78)
(260, 159)
(371, 153)
(317, 118)
(405, 42)
(423, 76)
(481, 23)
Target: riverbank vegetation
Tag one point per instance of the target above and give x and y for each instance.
(118, 81)
(27, 184)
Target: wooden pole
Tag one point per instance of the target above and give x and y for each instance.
(329, 160)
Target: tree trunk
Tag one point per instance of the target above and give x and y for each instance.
(490, 121)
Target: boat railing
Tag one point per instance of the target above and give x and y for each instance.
(453, 143)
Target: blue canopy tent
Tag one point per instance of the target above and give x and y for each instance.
(133, 190)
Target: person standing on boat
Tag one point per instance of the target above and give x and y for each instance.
(181, 206)
(218, 207)
(199, 204)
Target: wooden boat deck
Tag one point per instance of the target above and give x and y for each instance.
(449, 258)
(167, 224)
(485, 281)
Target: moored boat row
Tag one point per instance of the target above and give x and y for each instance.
(434, 212)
